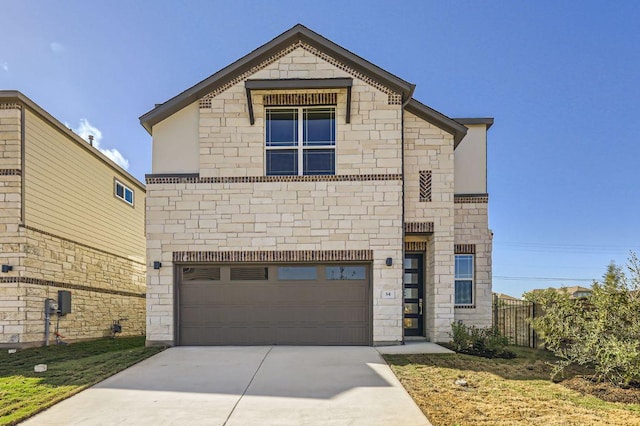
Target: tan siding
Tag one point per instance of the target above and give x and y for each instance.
(70, 192)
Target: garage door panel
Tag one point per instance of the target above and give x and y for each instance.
(271, 311)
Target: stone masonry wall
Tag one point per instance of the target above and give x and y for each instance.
(428, 148)
(323, 215)
(370, 143)
(472, 227)
(103, 287)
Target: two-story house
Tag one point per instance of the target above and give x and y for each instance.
(71, 220)
(302, 196)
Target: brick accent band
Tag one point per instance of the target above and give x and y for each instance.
(79, 244)
(47, 283)
(479, 198)
(10, 105)
(418, 227)
(273, 256)
(420, 246)
(151, 179)
(464, 249)
(464, 306)
(10, 172)
(301, 99)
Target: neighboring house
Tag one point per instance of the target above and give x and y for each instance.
(302, 196)
(574, 292)
(505, 297)
(71, 220)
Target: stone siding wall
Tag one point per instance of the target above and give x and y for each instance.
(472, 227)
(370, 143)
(428, 148)
(103, 287)
(275, 216)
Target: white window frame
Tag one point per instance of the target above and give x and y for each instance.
(125, 188)
(472, 279)
(300, 147)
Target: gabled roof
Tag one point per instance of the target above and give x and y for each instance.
(438, 119)
(16, 96)
(297, 33)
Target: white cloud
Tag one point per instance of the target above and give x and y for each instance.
(57, 47)
(85, 129)
(5, 66)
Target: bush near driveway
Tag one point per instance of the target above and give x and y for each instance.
(70, 369)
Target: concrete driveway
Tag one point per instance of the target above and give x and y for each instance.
(258, 385)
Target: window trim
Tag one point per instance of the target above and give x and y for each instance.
(300, 147)
(472, 279)
(125, 188)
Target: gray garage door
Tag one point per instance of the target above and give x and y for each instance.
(326, 304)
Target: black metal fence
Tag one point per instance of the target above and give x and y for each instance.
(512, 318)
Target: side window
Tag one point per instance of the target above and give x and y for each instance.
(123, 192)
(300, 141)
(464, 279)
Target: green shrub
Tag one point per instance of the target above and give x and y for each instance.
(601, 331)
(486, 342)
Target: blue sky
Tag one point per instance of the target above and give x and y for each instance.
(562, 80)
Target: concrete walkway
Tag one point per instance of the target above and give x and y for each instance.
(261, 385)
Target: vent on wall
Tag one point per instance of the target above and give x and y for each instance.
(425, 185)
(201, 273)
(249, 274)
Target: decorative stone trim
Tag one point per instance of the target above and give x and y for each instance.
(10, 105)
(10, 172)
(152, 179)
(273, 256)
(425, 185)
(464, 249)
(79, 244)
(47, 283)
(464, 306)
(285, 99)
(471, 198)
(420, 246)
(205, 101)
(418, 227)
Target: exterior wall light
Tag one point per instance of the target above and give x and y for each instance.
(157, 265)
(389, 261)
(7, 268)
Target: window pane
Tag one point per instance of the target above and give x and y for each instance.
(128, 195)
(463, 292)
(282, 127)
(249, 274)
(410, 293)
(319, 126)
(410, 278)
(282, 162)
(319, 162)
(411, 263)
(201, 273)
(119, 190)
(464, 266)
(289, 273)
(346, 272)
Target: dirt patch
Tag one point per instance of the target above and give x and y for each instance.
(604, 391)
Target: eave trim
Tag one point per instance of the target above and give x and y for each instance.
(438, 119)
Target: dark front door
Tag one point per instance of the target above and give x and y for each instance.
(413, 295)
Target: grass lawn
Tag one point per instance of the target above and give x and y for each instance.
(502, 392)
(71, 368)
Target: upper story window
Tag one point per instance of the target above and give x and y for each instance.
(300, 141)
(123, 192)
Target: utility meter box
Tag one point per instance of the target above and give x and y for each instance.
(64, 302)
